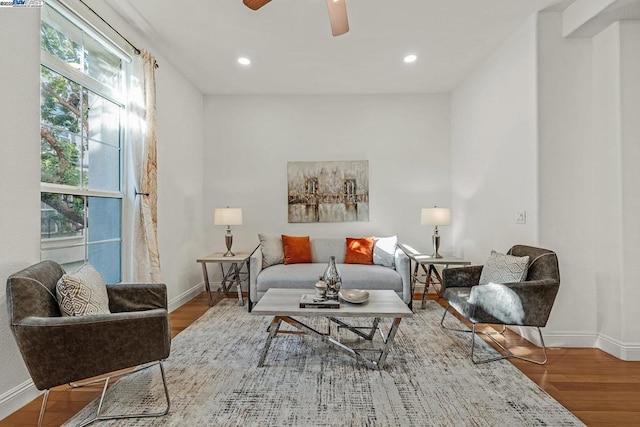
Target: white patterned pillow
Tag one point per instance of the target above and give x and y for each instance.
(501, 268)
(83, 292)
(272, 250)
(384, 251)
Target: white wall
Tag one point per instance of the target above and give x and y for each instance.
(179, 136)
(616, 108)
(249, 139)
(552, 123)
(494, 150)
(20, 180)
(630, 138)
(180, 184)
(567, 175)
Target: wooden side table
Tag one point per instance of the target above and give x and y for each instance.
(428, 263)
(232, 275)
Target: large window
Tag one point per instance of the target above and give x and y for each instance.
(81, 137)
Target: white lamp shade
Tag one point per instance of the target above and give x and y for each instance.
(435, 216)
(227, 216)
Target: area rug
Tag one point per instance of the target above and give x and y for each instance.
(428, 380)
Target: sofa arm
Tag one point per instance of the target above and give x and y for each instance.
(60, 350)
(255, 267)
(403, 267)
(460, 277)
(125, 297)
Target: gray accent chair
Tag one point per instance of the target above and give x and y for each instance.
(59, 350)
(526, 303)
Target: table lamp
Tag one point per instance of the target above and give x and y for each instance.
(435, 216)
(228, 216)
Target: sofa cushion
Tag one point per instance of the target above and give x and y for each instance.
(303, 276)
(272, 251)
(297, 249)
(501, 268)
(359, 251)
(384, 251)
(83, 292)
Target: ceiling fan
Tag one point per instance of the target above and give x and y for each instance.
(337, 13)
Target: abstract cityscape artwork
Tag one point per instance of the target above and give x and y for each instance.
(328, 191)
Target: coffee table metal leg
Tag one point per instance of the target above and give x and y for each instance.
(356, 329)
(373, 364)
(388, 342)
(273, 330)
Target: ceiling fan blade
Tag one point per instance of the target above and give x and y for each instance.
(338, 17)
(255, 4)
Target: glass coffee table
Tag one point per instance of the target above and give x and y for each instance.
(284, 305)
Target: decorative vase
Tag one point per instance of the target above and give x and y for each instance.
(332, 278)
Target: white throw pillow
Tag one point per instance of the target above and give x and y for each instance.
(272, 250)
(501, 268)
(384, 251)
(83, 292)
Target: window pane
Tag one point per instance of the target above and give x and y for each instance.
(104, 218)
(60, 37)
(105, 257)
(103, 120)
(61, 216)
(103, 167)
(60, 143)
(101, 64)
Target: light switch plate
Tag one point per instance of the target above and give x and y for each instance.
(521, 217)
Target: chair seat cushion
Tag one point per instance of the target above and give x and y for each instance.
(460, 300)
(82, 293)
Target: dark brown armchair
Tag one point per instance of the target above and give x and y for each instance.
(526, 303)
(59, 350)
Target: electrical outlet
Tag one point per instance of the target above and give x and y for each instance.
(521, 217)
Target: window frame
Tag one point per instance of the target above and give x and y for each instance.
(87, 82)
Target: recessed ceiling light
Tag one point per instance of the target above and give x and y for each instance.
(410, 58)
(244, 61)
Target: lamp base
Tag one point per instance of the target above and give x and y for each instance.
(228, 240)
(435, 240)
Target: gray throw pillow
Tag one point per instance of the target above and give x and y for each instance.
(501, 268)
(272, 250)
(82, 293)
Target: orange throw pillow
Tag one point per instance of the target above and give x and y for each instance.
(359, 251)
(297, 249)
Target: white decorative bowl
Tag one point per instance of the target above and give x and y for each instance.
(354, 296)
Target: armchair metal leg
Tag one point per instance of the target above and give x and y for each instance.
(43, 407)
(101, 379)
(508, 354)
(99, 417)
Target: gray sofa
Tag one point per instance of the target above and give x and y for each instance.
(354, 276)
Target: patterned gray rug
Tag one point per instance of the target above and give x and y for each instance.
(428, 381)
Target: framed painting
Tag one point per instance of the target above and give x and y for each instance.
(331, 191)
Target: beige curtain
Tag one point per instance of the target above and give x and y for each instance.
(144, 247)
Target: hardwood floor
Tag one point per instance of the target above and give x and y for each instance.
(598, 388)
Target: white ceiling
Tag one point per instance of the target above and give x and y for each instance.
(293, 52)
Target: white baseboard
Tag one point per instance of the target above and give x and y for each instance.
(189, 294)
(616, 348)
(624, 351)
(186, 296)
(17, 397)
